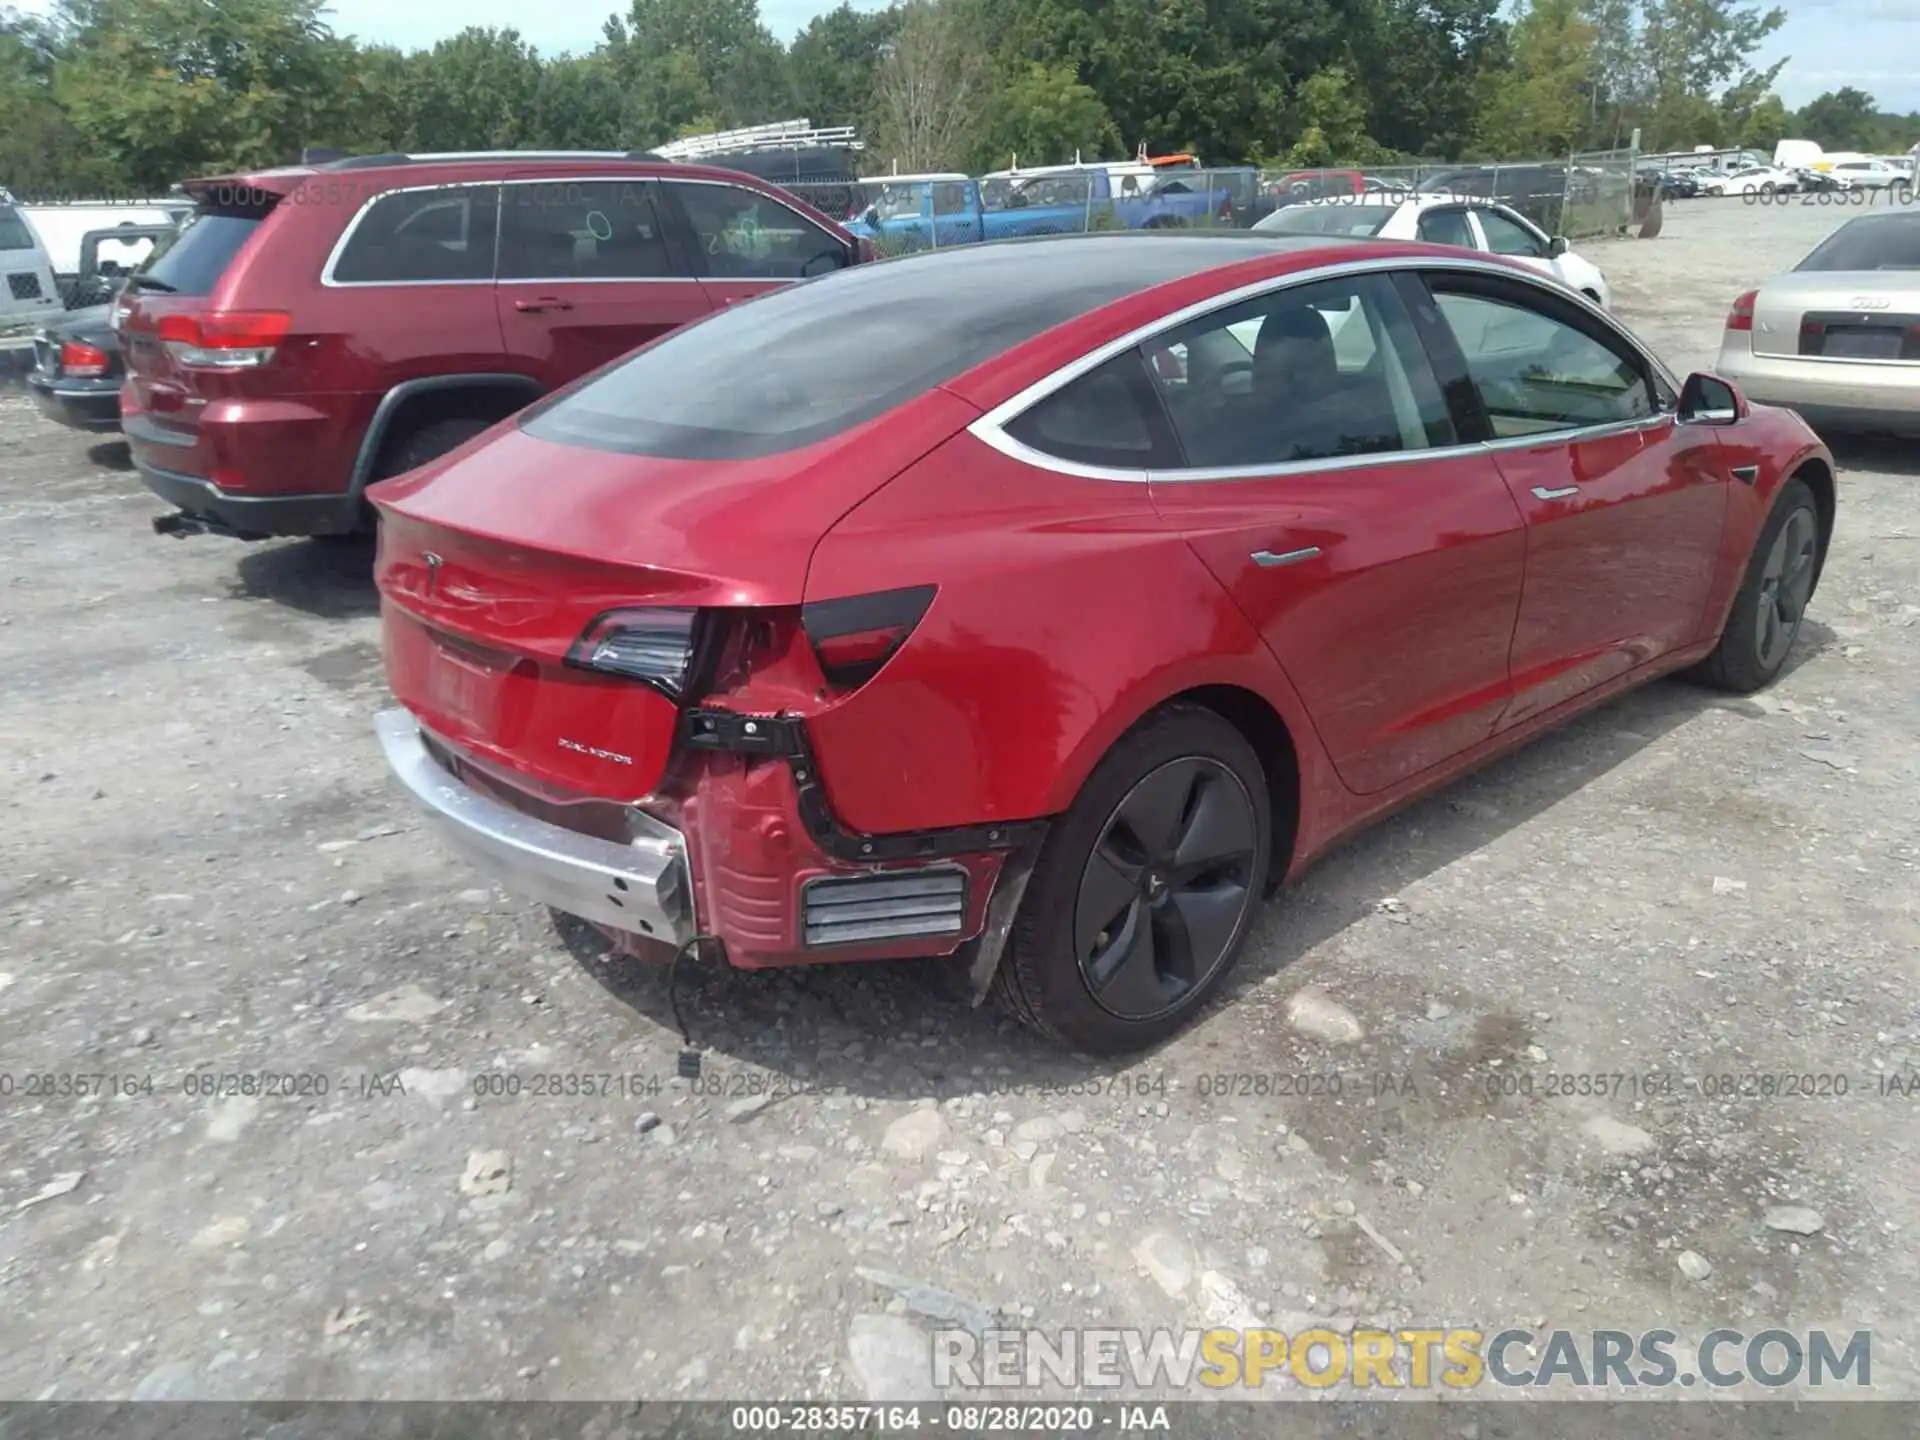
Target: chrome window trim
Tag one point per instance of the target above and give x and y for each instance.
(990, 428)
(340, 246)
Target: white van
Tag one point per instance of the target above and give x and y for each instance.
(63, 227)
(27, 287)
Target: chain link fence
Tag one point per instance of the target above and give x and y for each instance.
(1586, 195)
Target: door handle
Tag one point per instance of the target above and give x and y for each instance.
(1746, 474)
(542, 303)
(1267, 560)
(1541, 492)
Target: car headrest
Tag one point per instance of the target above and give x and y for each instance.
(1294, 354)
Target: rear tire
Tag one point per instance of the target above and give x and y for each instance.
(428, 442)
(1145, 889)
(1772, 599)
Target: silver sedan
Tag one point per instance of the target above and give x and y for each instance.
(1838, 336)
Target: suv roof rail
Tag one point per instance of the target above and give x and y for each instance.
(395, 157)
(361, 162)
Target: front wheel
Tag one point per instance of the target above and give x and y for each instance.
(1145, 889)
(1772, 600)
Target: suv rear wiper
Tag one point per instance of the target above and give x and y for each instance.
(147, 282)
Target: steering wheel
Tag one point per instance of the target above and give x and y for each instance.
(835, 254)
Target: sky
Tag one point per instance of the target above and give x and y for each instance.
(1871, 44)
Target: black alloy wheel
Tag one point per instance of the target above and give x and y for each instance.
(1786, 584)
(1166, 892)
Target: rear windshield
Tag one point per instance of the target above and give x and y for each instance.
(1327, 219)
(192, 262)
(1890, 242)
(808, 362)
(14, 234)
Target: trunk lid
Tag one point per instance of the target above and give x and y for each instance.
(495, 559)
(1871, 315)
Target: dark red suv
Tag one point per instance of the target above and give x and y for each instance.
(318, 328)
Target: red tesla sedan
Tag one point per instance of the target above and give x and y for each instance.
(1049, 603)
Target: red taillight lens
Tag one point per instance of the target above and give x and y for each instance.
(82, 361)
(854, 637)
(1740, 317)
(224, 339)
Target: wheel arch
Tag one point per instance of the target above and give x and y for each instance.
(1268, 715)
(435, 397)
(1254, 716)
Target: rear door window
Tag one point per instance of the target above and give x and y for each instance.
(193, 261)
(583, 230)
(441, 234)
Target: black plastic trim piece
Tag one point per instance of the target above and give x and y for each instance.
(898, 610)
(785, 736)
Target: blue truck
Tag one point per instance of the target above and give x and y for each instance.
(915, 212)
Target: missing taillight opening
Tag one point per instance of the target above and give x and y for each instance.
(853, 637)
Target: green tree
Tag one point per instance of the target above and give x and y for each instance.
(692, 65)
(1423, 62)
(1330, 116)
(475, 91)
(1045, 116)
(167, 88)
(832, 64)
(1842, 119)
(1763, 123)
(42, 152)
(1538, 104)
(1695, 49)
(579, 105)
(931, 89)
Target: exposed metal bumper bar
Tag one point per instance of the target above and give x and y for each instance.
(641, 887)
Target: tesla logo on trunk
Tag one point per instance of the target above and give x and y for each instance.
(433, 563)
(1869, 302)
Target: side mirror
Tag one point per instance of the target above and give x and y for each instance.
(1709, 400)
(1557, 247)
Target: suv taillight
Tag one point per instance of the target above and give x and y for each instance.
(1740, 317)
(854, 637)
(224, 339)
(82, 361)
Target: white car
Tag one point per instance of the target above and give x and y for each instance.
(1869, 174)
(1753, 180)
(1464, 220)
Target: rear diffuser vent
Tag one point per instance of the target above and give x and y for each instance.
(891, 905)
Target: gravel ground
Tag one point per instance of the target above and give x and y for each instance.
(204, 872)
